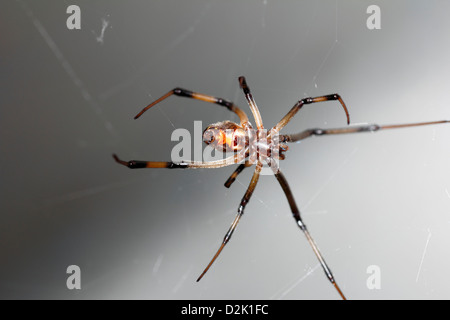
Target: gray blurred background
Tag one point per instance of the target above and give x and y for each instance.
(68, 98)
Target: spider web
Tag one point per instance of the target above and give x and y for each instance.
(160, 228)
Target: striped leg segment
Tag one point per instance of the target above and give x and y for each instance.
(241, 208)
(199, 96)
(238, 170)
(357, 129)
(296, 213)
(288, 117)
(251, 102)
(141, 164)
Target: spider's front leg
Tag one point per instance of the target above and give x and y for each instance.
(357, 129)
(288, 117)
(202, 97)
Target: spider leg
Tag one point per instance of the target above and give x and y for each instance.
(238, 170)
(140, 164)
(296, 213)
(366, 128)
(288, 117)
(200, 96)
(251, 102)
(244, 201)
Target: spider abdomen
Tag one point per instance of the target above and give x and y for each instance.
(226, 136)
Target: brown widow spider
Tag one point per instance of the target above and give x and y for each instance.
(258, 146)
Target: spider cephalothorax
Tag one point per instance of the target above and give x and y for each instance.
(228, 136)
(257, 146)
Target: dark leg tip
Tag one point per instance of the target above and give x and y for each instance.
(228, 183)
(139, 114)
(124, 163)
(200, 277)
(243, 84)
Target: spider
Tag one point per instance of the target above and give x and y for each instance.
(257, 146)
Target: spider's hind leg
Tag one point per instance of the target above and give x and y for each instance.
(296, 213)
(244, 201)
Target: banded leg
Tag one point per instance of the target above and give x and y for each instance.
(296, 213)
(251, 102)
(288, 117)
(238, 170)
(199, 96)
(140, 164)
(366, 128)
(241, 208)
